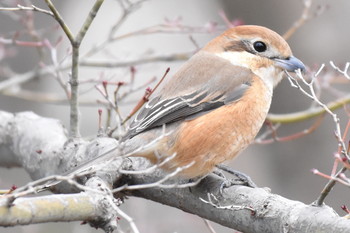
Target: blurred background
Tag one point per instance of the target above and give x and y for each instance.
(282, 166)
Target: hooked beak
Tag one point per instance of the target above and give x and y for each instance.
(290, 64)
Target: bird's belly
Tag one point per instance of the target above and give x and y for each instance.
(219, 135)
(212, 144)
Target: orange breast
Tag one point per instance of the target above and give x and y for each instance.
(221, 134)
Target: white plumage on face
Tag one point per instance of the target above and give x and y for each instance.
(218, 74)
(260, 49)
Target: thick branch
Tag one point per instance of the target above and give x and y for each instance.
(52, 208)
(40, 145)
(272, 213)
(29, 138)
(96, 206)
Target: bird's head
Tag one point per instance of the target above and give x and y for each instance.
(257, 48)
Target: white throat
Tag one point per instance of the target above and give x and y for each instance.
(269, 75)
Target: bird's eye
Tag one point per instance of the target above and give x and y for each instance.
(260, 46)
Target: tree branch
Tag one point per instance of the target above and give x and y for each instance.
(60, 21)
(146, 60)
(309, 113)
(30, 210)
(239, 207)
(96, 206)
(272, 213)
(75, 42)
(25, 8)
(29, 138)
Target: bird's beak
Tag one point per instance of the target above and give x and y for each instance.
(290, 64)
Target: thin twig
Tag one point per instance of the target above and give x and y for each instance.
(343, 150)
(126, 12)
(129, 219)
(305, 16)
(65, 86)
(60, 21)
(273, 131)
(160, 183)
(22, 43)
(212, 198)
(309, 113)
(153, 59)
(75, 42)
(146, 97)
(343, 72)
(327, 188)
(26, 8)
(209, 226)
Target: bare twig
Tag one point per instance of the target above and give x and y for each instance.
(127, 9)
(26, 8)
(209, 226)
(75, 42)
(160, 183)
(65, 86)
(305, 16)
(273, 131)
(159, 28)
(212, 200)
(344, 71)
(22, 43)
(309, 113)
(129, 219)
(22, 78)
(343, 150)
(161, 58)
(339, 177)
(60, 20)
(328, 187)
(313, 96)
(145, 98)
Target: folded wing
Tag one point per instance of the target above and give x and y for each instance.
(227, 84)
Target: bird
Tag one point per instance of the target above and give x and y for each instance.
(213, 107)
(210, 110)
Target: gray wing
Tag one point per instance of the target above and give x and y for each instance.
(183, 97)
(159, 112)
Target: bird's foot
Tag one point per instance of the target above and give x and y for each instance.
(241, 178)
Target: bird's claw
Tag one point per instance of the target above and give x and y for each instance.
(241, 178)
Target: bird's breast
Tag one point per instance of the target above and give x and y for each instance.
(221, 134)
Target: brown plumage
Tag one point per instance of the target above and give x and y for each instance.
(213, 107)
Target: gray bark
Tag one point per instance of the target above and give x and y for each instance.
(40, 146)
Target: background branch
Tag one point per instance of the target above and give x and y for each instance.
(75, 42)
(309, 113)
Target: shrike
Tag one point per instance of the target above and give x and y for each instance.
(215, 104)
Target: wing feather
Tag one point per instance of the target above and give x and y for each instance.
(225, 85)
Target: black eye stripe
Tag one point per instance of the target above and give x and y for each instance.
(259, 46)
